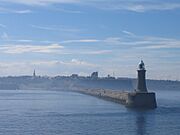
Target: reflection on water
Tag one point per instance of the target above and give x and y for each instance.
(140, 117)
(65, 113)
(141, 124)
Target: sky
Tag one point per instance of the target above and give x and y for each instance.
(61, 37)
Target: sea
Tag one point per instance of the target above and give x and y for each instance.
(43, 112)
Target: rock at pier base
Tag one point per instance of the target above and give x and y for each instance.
(141, 100)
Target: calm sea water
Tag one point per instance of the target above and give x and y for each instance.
(64, 113)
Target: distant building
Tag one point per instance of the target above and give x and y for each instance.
(74, 76)
(94, 75)
(109, 77)
(34, 73)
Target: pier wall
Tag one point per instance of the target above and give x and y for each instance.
(129, 99)
(141, 100)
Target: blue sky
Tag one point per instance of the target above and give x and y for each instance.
(61, 37)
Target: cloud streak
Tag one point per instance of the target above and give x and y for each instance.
(129, 5)
(97, 52)
(19, 49)
(15, 11)
(2, 25)
(41, 2)
(135, 6)
(128, 33)
(142, 42)
(68, 11)
(73, 62)
(80, 41)
(5, 36)
(142, 6)
(55, 28)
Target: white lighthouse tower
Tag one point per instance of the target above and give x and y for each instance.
(141, 98)
(141, 85)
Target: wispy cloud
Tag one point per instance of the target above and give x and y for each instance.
(142, 7)
(55, 28)
(5, 36)
(112, 40)
(97, 52)
(82, 63)
(23, 11)
(48, 67)
(88, 52)
(2, 25)
(23, 40)
(135, 6)
(15, 11)
(44, 27)
(19, 49)
(142, 42)
(159, 43)
(50, 63)
(80, 41)
(71, 63)
(41, 2)
(132, 41)
(68, 11)
(128, 33)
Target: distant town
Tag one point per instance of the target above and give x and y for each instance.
(75, 81)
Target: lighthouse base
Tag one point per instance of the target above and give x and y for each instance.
(141, 100)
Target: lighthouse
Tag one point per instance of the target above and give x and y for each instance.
(141, 98)
(141, 84)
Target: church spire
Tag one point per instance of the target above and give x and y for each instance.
(34, 73)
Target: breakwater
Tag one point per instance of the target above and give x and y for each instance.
(129, 99)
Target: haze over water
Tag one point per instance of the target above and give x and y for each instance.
(25, 112)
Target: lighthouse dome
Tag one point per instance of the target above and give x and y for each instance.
(141, 65)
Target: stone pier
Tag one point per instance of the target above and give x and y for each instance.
(129, 99)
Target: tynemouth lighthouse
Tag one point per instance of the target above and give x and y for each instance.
(141, 97)
(141, 85)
